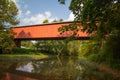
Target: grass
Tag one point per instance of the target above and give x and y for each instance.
(21, 57)
(23, 54)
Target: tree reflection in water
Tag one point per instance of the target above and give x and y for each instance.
(57, 68)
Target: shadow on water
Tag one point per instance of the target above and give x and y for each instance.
(55, 68)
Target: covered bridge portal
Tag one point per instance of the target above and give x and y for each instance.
(44, 32)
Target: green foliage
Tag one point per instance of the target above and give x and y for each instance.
(8, 13)
(46, 21)
(59, 47)
(71, 27)
(27, 44)
(23, 51)
(43, 46)
(73, 47)
(97, 16)
(48, 46)
(100, 19)
(112, 46)
(6, 41)
(111, 52)
(84, 50)
(90, 47)
(94, 72)
(60, 20)
(61, 1)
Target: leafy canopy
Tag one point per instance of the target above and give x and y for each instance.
(8, 18)
(101, 17)
(8, 12)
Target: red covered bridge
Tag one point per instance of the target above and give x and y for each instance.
(44, 32)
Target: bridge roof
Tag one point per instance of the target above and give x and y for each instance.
(43, 31)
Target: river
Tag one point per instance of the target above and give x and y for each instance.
(54, 68)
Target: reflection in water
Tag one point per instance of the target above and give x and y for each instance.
(64, 68)
(10, 76)
(27, 68)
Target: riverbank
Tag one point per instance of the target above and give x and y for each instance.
(21, 54)
(21, 57)
(112, 72)
(93, 67)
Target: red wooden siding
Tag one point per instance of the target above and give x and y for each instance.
(43, 31)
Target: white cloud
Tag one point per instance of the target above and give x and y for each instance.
(28, 12)
(38, 19)
(71, 17)
(18, 6)
(47, 14)
(52, 19)
(19, 13)
(26, 18)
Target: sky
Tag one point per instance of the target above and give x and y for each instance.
(33, 12)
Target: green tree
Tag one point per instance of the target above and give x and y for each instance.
(54, 20)
(100, 19)
(8, 14)
(60, 20)
(61, 1)
(46, 21)
(50, 46)
(27, 44)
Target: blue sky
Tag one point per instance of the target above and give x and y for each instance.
(36, 11)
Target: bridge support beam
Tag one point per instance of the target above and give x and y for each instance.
(18, 43)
